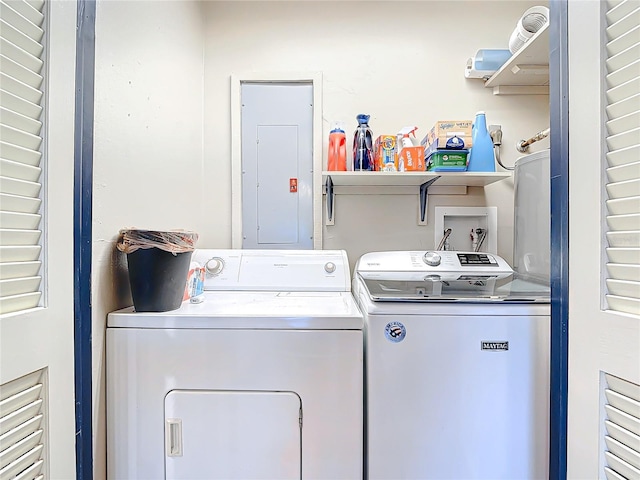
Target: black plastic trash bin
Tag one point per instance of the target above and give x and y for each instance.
(158, 264)
(157, 279)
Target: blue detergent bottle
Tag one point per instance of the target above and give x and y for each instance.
(363, 144)
(481, 157)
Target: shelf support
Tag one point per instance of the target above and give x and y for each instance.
(521, 90)
(330, 199)
(424, 195)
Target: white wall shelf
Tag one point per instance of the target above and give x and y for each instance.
(390, 179)
(527, 71)
(422, 180)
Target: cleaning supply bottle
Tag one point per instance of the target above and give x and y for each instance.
(337, 160)
(363, 144)
(403, 137)
(410, 157)
(481, 157)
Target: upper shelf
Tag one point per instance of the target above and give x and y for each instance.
(423, 180)
(527, 71)
(393, 179)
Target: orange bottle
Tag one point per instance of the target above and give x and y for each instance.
(337, 160)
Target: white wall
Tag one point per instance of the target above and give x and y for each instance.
(402, 63)
(147, 147)
(162, 116)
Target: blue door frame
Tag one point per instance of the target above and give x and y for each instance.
(559, 117)
(83, 192)
(82, 234)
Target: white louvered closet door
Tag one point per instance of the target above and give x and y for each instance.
(22, 427)
(37, 98)
(623, 155)
(21, 97)
(622, 398)
(622, 429)
(604, 239)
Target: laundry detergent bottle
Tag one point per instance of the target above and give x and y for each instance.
(363, 144)
(337, 158)
(481, 157)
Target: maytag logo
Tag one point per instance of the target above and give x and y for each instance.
(495, 346)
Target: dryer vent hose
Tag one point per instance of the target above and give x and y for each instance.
(523, 145)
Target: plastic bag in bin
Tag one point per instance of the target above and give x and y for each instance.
(174, 241)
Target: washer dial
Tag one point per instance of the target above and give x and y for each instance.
(432, 259)
(329, 267)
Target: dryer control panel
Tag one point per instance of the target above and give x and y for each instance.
(275, 270)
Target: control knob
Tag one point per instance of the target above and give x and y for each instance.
(432, 259)
(214, 266)
(329, 267)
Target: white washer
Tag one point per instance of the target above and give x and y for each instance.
(262, 380)
(457, 367)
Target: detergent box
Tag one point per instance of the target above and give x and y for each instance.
(447, 161)
(385, 153)
(448, 134)
(411, 159)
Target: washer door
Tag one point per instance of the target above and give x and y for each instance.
(233, 435)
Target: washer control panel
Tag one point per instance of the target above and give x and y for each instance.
(475, 259)
(433, 261)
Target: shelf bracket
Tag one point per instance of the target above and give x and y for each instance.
(424, 194)
(521, 90)
(330, 199)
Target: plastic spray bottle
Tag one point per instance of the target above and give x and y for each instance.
(404, 138)
(363, 144)
(410, 158)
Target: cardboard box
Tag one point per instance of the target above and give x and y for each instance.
(445, 130)
(385, 154)
(448, 161)
(411, 159)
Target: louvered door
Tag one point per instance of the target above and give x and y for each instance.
(37, 99)
(622, 409)
(22, 38)
(604, 235)
(22, 427)
(623, 155)
(622, 429)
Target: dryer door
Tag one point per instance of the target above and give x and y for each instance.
(232, 435)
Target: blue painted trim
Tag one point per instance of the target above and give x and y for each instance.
(82, 233)
(559, 113)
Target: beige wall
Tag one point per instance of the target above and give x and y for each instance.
(147, 148)
(402, 63)
(162, 116)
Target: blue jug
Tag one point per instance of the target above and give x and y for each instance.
(481, 157)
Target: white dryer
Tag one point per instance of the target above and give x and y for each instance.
(457, 367)
(262, 380)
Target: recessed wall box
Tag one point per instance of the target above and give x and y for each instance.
(464, 223)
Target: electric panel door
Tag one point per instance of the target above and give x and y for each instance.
(277, 165)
